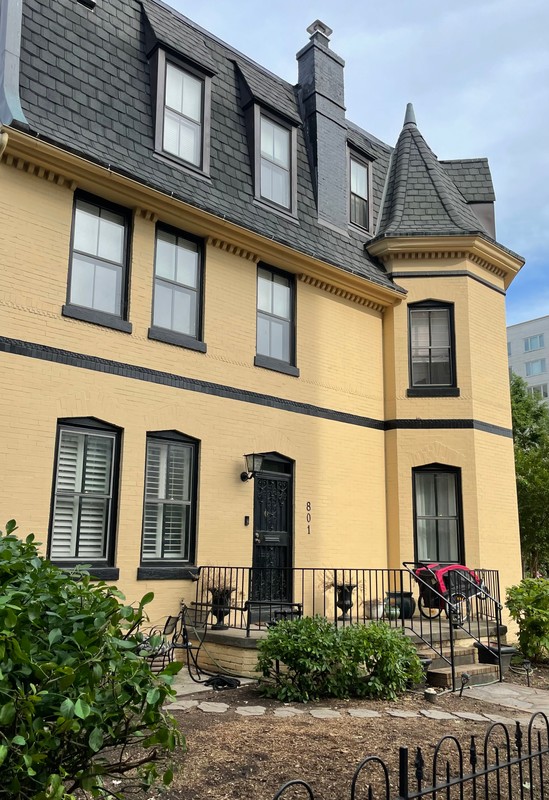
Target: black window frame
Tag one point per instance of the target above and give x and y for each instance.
(167, 335)
(172, 569)
(353, 155)
(443, 469)
(160, 61)
(433, 390)
(258, 113)
(267, 362)
(104, 568)
(120, 321)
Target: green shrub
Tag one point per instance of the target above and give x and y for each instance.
(528, 604)
(309, 658)
(77, 704)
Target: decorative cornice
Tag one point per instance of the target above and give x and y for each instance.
(147, 214)
(36, 169)
(486, 254)
(339, 292)
(228, 247)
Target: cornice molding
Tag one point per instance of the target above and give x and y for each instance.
(228, 247)
(340, 292)
(488, 255)
(75, 171)
(147, 214)
(33, 168)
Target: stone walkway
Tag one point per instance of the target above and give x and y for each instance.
(510, 695)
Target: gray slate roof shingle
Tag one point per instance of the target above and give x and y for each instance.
(472, 178)
(421, 196)
(85, 85)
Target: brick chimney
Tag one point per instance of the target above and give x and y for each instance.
(321, 94)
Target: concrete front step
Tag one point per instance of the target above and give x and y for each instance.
(478, 674)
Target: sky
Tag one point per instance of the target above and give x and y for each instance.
(477, 72)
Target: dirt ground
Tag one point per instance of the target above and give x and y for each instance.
(230, 757)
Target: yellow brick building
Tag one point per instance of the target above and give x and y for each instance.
(200, 261)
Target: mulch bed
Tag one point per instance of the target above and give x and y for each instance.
(230, 757)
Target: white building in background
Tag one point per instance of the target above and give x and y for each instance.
(528, 351)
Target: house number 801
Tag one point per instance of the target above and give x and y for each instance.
(309, 516)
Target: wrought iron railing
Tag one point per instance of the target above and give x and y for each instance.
(497, 770)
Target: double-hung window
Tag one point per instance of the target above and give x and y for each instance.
(84, 507)
(432, 350)
(276, 163)
(170, 499)
(275, 321)
(534, 343)
(539, 391)
(177, 303)
(99, 263)
(183, 114)
(537, 367)
(437, 514)
(359, 193)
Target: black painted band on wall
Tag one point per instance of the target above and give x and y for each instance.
(45, 353)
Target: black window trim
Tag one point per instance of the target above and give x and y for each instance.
(166, 335)
(74, 311)
(160, 59)
(361, 158)
(174, 569)
(434, 390)
(258, 112)
(441, 468)
(267, 362)
(103, 569)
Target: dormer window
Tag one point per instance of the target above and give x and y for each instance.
(275, 147)
(359, 193)
(182, 112)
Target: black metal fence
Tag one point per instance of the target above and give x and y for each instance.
(505, 766)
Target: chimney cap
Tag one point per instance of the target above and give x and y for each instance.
(319, 27)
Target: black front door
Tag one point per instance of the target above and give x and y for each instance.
(272, 551)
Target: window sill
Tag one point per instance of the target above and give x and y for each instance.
(96, 318)
(185, 166)
(179, 339)
(433, 391)
(96, 573)
(277, 366)
(164, 573)
(261, 202)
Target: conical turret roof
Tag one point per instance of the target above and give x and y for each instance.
(421, 197)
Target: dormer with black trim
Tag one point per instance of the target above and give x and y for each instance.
(272, 120)
(181, 70)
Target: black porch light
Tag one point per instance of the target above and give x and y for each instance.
(254, 462)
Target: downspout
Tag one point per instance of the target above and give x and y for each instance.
(11, 15)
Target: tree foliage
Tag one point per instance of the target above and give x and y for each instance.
(78, 705)
(528, 604)
(531, 437)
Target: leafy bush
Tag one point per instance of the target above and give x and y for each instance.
(309, 658)
(528, 604)
(77, 704)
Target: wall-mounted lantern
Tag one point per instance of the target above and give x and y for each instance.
(254, 462)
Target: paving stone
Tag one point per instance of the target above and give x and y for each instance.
(434, 714)
(182, 705)
(363, 713)
(498, 718)
(324, 713)
(213, 708)
(288, 712)
(469, 715)
(402, 714)
(251, 711)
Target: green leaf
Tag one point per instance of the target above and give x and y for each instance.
(19, 740)
(82, 709)
(7, 713)
(153, 696)
(167, 778)
(146, 599)
(3, 752)
(54, 636)
(67, 708)
(11, 526)
(96, 739)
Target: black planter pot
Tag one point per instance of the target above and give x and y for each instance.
(221, 604)
(404, 601)
(344, 599)
(489, 654)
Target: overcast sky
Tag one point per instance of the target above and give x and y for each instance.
(477, 72)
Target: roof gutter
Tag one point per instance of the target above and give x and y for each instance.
(11, 15)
